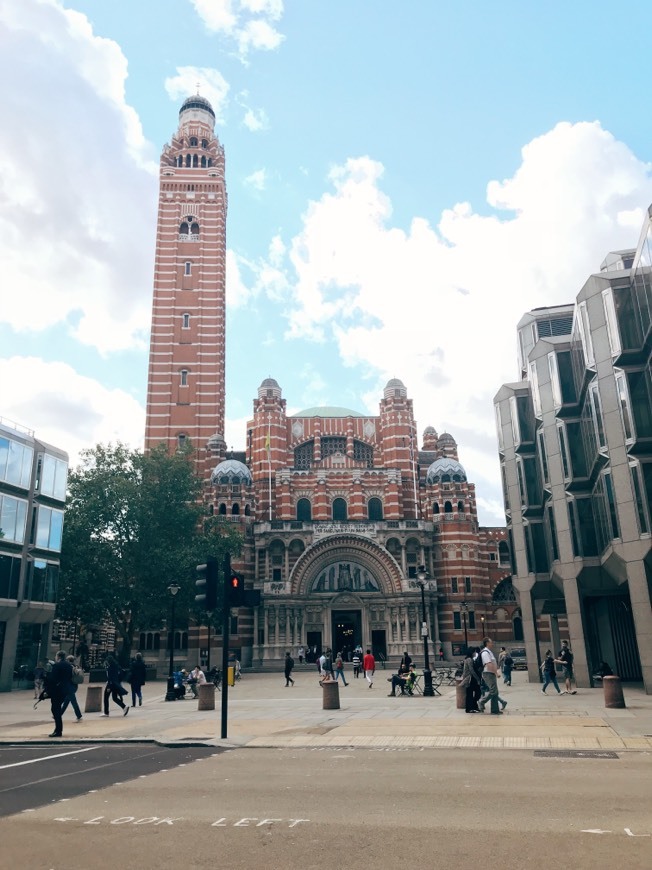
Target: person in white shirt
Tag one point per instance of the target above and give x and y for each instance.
(490, 676)
(197, 678)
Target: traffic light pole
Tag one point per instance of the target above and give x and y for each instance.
(226, 625)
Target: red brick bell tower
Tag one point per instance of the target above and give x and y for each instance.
(186, 380)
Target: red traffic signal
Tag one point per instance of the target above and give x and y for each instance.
(236, 589)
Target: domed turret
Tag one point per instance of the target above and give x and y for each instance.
(231, 471)
(393, 388)
(197, 102)
(429, 438)
(269, 387)
(446, 470)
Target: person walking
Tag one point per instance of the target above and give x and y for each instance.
(501, 659)
(357, 663)
(289, 665)
(369, 668)
(138, 672)
(39, 676)
(471, 682)
(339, 668)
(301, 653)
(56, 685)
(114, 688)
(549, 673)
(508, 665)
(565, 658)
(490, 676)
(71, 694)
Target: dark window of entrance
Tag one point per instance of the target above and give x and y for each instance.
(339, 510)
(375, 509)
(304, 510)
(518, 628)
(435, 509)
(448, 508)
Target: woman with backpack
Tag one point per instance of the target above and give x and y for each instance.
(339, 668)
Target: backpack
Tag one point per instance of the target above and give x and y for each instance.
(77, 676)
(508, 662)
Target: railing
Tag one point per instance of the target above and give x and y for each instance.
(188, 237)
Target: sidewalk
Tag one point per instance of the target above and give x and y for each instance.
(262, 712)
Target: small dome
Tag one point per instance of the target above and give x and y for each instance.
(269, 386)
(215, 441)
(447, 438)
(197, 102)
(446, 470)
(231, 471)
(392, 387)
(429, 430)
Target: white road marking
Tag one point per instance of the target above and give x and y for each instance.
(48, 757)
(594, 831)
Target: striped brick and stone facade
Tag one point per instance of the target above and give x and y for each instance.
(185, 388)
(339, 510)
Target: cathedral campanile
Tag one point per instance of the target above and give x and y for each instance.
(186, 379)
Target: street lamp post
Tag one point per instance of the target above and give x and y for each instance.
(465, 610)
(170, 694)
(427, 673)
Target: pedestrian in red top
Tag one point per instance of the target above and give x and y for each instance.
(369, 666)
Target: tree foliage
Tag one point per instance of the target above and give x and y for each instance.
(134, 524)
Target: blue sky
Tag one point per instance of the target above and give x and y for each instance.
(404, 182)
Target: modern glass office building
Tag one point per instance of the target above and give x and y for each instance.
(575, 442)
(33, 478)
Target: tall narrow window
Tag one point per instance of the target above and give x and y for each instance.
(184, 377)
(573, 528)
(187, 267)
(623, 401)
(304, 510)
(596, 406)
(454, 585)
(554, 379)
(543, 456)
(467, 585)
(553, 533)
(534, 387)
(457, 620)
(339, 510)
(585, 334)
(611, 504)
(563, 449)
(516, 431)
(612, 321)
(638, 496)
(186, 321)
(375, 509)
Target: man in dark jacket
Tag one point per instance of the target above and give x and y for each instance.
(289, 665)
(58, 681)
(137, 680)
(114, 688)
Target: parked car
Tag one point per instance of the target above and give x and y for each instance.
(519, 657)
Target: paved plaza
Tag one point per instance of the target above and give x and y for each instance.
(263, 713)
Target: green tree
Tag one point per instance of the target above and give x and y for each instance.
(134, 523)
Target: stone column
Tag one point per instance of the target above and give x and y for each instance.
(639, 595)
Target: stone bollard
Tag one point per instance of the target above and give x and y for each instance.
(460, 695)
(613, 693)
(331, 698)
(206, 697)
(94, 699)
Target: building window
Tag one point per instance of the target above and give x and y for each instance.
(375, 509)
(185, 323)
(611, 504)
(623, 401)
(277, 575)
(304, 510)
(181, 440)
(49, 528)
(563, 450)
(457, 620)
(640, 392)
(638, 497)
(435, 509)
(572, 521)
(184, 377)
(9, 576)
(585, 334)
(51, 476)
(448, 508)
(467, 585)
(187, 267)
(534, 388)
(543, 456)
(339, 510)
(554, 379)
(42, 579)
(15, 462)
(303, 455)
(13, 518)
(363, 453)
(553, 533)
(331, 446)
(472, 619)
(460, 507)
(612, 322)
(454, 588)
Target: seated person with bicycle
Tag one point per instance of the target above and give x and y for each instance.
(404, 681)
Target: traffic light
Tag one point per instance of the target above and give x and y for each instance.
(236, 589)
(207, 585)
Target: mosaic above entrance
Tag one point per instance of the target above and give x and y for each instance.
(342, 576)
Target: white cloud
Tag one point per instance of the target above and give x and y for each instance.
(249, 23)
(210, 83)
(438, 306)
(76, 205)
(255, 120)
(65, 409)
(257, 180)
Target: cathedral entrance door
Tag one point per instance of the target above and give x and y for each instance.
(346, 631)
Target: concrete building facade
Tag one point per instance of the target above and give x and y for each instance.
(575, 441)
(33, 478)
